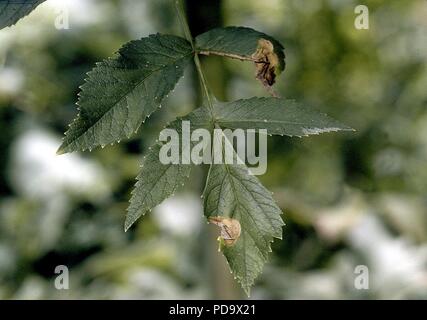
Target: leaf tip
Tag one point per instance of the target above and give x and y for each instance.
(247, 290)
(129, 221)
(61, 150)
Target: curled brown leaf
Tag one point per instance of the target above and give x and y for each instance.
(266, 62)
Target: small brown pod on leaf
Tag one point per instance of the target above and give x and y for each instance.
(230, 229)
(266, 62)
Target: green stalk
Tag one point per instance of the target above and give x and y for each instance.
(184, 24)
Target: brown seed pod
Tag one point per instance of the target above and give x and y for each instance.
(230, 229)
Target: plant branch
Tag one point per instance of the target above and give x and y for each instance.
(184, 24)
(183, 21)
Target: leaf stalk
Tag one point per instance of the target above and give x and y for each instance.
(184, 24)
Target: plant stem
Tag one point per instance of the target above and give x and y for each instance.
(184, 24)
(183, 21)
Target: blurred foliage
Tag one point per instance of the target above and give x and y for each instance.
(349, 199)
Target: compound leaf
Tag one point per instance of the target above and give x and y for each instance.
(121, 92)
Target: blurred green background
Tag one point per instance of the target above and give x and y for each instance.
(348, 199)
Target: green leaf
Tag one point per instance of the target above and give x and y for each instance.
(279, 116)
(245, 44)
(13, 10)
(232, 193)
(121, 92)
(158, 181)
